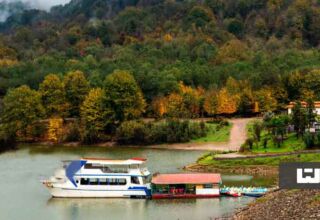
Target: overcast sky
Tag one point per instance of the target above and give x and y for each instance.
(41, 4)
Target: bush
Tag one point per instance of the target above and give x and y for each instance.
(131, 132)
(156, 134)
(7, 140)
(73, 133)
(257, 129)
(309, 140)
(249, 143)
(318, 139)
(171, 131)
(215, 120)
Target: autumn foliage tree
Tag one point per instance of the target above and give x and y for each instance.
(76, 87)
(124, 96)
(53, 96)
(21, 108)
(226, 102)
(94, 116)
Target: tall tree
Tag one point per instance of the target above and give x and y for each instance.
(299, 118)
(227, 103)
(310, 112)
(53, 96)
(124, 96)
(76, 87)
(21, 108)
(94, 115)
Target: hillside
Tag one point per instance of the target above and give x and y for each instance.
(201, 43)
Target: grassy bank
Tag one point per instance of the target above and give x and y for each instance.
(208, 160)
(216, 133)
(290, 143)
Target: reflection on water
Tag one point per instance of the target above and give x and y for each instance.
(23, 196)
(146, 209)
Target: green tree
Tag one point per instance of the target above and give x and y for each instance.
(124, 96)
(310, 112)
(257, 129)
(299, 119)
(53, 96)
(94, 116)
(21, 108)
(76, 87)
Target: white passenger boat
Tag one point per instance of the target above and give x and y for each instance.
(94, 177)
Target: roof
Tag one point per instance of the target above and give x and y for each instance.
(304, 104)
(114, 162)
(186, 178)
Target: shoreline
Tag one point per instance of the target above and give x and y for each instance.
(254, 170)
(279, 204)
(208, 146)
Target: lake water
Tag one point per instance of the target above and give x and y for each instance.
(22, 196)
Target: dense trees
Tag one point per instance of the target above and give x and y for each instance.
(185, 58)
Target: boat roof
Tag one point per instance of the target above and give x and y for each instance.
(132, 161)
(186, 178)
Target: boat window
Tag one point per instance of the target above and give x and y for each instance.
(93, 181)
(92, 166)
(134, 166)
(103, 181)
(122, 181)
(208, 186)
(135, 180)
(84, 181)
(112, 181)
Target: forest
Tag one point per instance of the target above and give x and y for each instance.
(106, 62)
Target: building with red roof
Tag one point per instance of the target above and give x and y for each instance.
(186, 185)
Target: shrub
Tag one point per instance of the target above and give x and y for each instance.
(244, 148)
(257, 129)
(131, 132)
(318, 139)
(156, 134)
(73, 132)
(249, 143)
(171, 131)
(91, 137)
(309, 140)
(7, 139)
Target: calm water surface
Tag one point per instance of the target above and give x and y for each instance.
(22, 196)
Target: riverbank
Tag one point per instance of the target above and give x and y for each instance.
(237, 136)
(283, 204)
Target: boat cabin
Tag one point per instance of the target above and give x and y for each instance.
(195, 185)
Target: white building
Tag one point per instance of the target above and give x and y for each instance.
(304, 105)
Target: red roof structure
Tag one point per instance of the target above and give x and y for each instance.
(186, 178)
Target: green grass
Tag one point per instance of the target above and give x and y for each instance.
(214, 134)
(290, 144)
(208, 159)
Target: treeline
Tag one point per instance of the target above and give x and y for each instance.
(163, 43)
(183, 59)
(109, 110)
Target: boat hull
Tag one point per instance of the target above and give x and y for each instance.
(256, 195)
(183, 196)
(85, 193)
